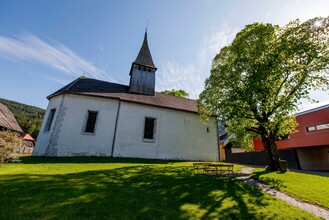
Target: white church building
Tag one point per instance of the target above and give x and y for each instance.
(90, 117)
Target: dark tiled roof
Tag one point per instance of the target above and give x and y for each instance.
(144, 56)
(98, 88)
(7, 119)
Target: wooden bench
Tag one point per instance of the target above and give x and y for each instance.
(212, 168)
(215, 169)
(200, 167)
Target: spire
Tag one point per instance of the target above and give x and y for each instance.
(144, 57)
(142, 71)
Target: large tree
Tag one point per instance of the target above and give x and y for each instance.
(258, 80)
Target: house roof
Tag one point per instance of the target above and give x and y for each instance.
(97, 88)
(312, 109)
(144, 56)
(27, 137)
(7, 119)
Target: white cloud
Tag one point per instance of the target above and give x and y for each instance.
(171, 75)
(214, 41)
(301, 9)
(58, 80)
(291, 6)
(191, 77)
(31, 48)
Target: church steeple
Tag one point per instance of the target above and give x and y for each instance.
(144, 57)
(142, 72)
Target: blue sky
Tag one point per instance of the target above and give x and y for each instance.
(47, 44)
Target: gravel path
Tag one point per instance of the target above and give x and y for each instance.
(244, 175)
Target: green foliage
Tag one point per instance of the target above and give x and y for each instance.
(307, 187)
(258, 79)
(8, 142)
(114, 188)
(239, 136)
(29, 117)
(178, 93)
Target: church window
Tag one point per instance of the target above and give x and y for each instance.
(91, 121)
(149, 128)
(50, 119)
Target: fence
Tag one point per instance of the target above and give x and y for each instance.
(260, 158)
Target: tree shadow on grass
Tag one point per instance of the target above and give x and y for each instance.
(139, 192)
(275, 183)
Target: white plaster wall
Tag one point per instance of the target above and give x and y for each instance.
(67, 137)
(73, 141)
(179, 135)
(44, 136)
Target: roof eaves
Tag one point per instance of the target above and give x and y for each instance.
(124, 100)
(59, 92)
(313, 110)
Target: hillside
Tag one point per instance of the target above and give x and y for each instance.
(29, 117)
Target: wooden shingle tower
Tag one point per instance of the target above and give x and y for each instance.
(142, 72)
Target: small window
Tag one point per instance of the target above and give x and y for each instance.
(50, 119)
(322, 127)
(311, 128)
(91, 122)
(318, 127)
(149, 128)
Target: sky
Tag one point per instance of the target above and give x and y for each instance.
(45, 45)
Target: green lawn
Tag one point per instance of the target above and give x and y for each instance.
(109, 188)
(307, 187)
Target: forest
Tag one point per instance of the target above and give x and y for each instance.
(29, 117)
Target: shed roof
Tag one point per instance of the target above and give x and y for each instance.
(7, 119)
(97, 88)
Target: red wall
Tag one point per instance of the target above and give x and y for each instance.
(303, 138)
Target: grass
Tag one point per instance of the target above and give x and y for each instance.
(306, 187)
(112, 188)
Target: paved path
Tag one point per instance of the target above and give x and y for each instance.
(244, 175)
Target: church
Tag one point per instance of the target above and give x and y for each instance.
(90, 117)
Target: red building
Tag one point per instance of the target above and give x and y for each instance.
(311, 141)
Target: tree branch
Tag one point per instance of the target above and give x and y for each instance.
(253, 129)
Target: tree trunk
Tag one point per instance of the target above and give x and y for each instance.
(272, 152)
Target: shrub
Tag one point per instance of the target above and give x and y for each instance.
(8, 142)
